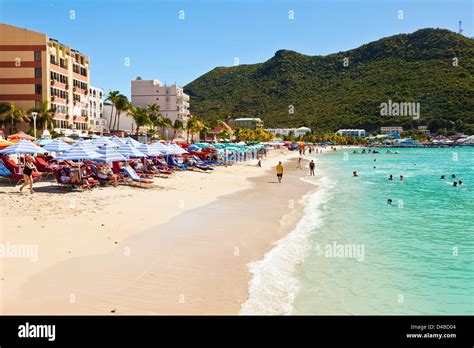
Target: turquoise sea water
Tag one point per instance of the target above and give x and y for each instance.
(352, 253)
(418, 253)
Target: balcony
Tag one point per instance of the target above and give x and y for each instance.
(182, 96)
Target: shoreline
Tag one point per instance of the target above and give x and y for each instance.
(18, 277)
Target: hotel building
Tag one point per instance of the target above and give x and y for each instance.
(355, 133)
(173, 102)
(298, 132)
(96, 110)
(250, 123)
(391, 129)
(34, 67)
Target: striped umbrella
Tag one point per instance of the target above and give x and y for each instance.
(161, 148)
(132, 141)
(148, 150)
(129, 151)
(105, 141)
(175, 149)
(116, 139)
(22, 147)
(110, 154)
(57, 146)
(79, 151)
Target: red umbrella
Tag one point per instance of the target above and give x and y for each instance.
(21, 135)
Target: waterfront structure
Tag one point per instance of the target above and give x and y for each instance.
(96, 109)
(298, 132)
(355, 133)
(250, 123)
(35, 67)
(391, 129)
(173, 102)
(424, 130)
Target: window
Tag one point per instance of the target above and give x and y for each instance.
(52, 58)
(37, 72)
(38, 89)
(37, 56)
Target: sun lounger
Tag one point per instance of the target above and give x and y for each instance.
(15, 172)
(132, 174)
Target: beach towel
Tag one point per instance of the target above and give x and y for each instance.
(4, 170)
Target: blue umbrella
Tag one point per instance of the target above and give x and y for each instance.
(175, 149)
(148, 150)
(43, 141)
(116, 139)
(110, 154)
(22, 147)
(79, 151)
(57, 146)
(194, 148)
(128, 151)
(105, 141)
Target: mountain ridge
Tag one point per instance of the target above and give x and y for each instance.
(416, 67)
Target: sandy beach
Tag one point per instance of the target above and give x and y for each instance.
(180, 248)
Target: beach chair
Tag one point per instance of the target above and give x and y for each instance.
(41, 164)
(132, 174)
(72, 185)
(16, 174)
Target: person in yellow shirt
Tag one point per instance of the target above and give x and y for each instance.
(279, 169)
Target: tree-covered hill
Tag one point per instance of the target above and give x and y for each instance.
(434, 67)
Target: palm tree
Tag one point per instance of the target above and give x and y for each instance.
(111, 97)
(4, 107)
(121, 104)
(140, 117)
(45, 115)
(190, 125)
(163, 122)
(14, 114)
(177, 126)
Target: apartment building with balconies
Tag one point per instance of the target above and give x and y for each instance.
(96, 110)
(173, 102)
(34, 67)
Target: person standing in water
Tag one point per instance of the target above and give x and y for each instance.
(279, 170)
(354, 173)
(390, 177)
(311, 168)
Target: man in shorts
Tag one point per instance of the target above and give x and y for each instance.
(279, 169)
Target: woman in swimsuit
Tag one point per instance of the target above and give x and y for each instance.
(27, 173)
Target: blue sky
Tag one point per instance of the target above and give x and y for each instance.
(160, 45)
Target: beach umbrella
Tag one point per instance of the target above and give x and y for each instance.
(42, 141)
(117, 139)
(163, 149)
(4, 143)
(86, 143)
(176, 149)
(132, 141)
(110, 154)
(193, 148)
(21, 135)
(66, 140)
(79, 151)
(105, 141)
(57, 146)
(22, 147)
(129, 151)
(148, 150)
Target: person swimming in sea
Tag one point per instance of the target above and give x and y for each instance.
(401, 177)
(443, 177)
(459, 182)
(453, 176)
(455, 184)
(354, 173)
(389, 201)
(390, 177)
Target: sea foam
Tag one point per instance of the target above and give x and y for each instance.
(274, 287)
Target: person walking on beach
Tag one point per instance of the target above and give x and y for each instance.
(311, 168)
(279, 169)
(27, 174)
(299, 163)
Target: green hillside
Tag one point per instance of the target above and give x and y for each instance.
(325, 94)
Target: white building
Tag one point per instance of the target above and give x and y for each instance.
(286, 131)
(173, 102)
(96, 109)
(355, 133)
(392, 129)
(126, 121)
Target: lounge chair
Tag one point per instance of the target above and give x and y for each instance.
(132, 174)
(15, 172)
(41, 165)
